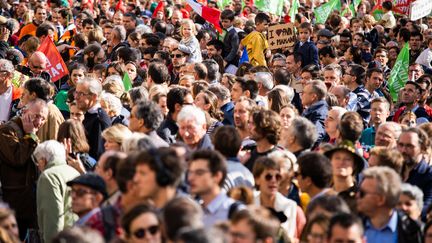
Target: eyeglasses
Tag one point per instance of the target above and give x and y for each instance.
(141, 232)
(269, 177)
(78, 94)
(81, 192)
(176, 55)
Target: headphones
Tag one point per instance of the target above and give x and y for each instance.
(163, 175)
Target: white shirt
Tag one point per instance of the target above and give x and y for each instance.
(5, 103)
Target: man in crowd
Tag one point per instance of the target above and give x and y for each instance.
(316, 107)
(264, 126)
(377, 198)
(88, 191)
(18, 140)
(96, 120)
(412, 144)
(206, 175)
(146, 117)
(192, 128)
(158, 173)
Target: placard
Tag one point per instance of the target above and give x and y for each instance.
(281, 36)
(420, 9)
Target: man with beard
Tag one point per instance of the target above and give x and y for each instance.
(410, 95)
(242, 110)
(93, 54)
(413, 144)
(178, 59)
(415, 44)
(345, 42)
(264, 127)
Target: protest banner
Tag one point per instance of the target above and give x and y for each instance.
(281, 36)
(420, 9)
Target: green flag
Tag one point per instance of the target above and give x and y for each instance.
(223, 3)
(270, 6)
(354, 5)
(127, 83)
(293, 10)
(323, 11)
(399, 73)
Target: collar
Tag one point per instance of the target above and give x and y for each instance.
(391, 225)
(94, 109)
(216, 203)
(230, 28)
(315, 106)
(55, 163)
(421, 167)
(227, 106)
(87, 216)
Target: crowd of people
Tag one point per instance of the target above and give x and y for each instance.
(166, 129)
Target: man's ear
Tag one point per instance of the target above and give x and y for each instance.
(91, 54)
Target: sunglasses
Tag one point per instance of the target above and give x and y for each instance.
(176, 55)
(269, 177)
(141, 232)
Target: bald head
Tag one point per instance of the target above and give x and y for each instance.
(37, 62)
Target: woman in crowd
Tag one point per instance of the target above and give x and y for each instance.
(142, 224)
(207, 101)
(72, 134)
(267, 174)
(114, 137)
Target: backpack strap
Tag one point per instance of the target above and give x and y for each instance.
(109, 222)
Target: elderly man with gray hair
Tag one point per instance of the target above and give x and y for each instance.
(316, 108)
(265, 84)
(9, 95)
(87, 96)
(192, 128)
(116, 40)
(300, 137)
(52, 195)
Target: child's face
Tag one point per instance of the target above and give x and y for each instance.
(261, 27)
(187, 30)
(304, 35)
(226, 23)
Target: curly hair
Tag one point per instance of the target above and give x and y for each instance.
(268, 124)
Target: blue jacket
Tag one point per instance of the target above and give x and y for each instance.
(317, 113)
(228, 110)
(421, 176)
(308, 52)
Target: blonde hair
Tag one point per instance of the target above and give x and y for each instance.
(190, 23)
(117, 133)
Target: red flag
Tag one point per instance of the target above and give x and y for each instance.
(56, 66)
(120, 6)
(158, 8)
(211, 15)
